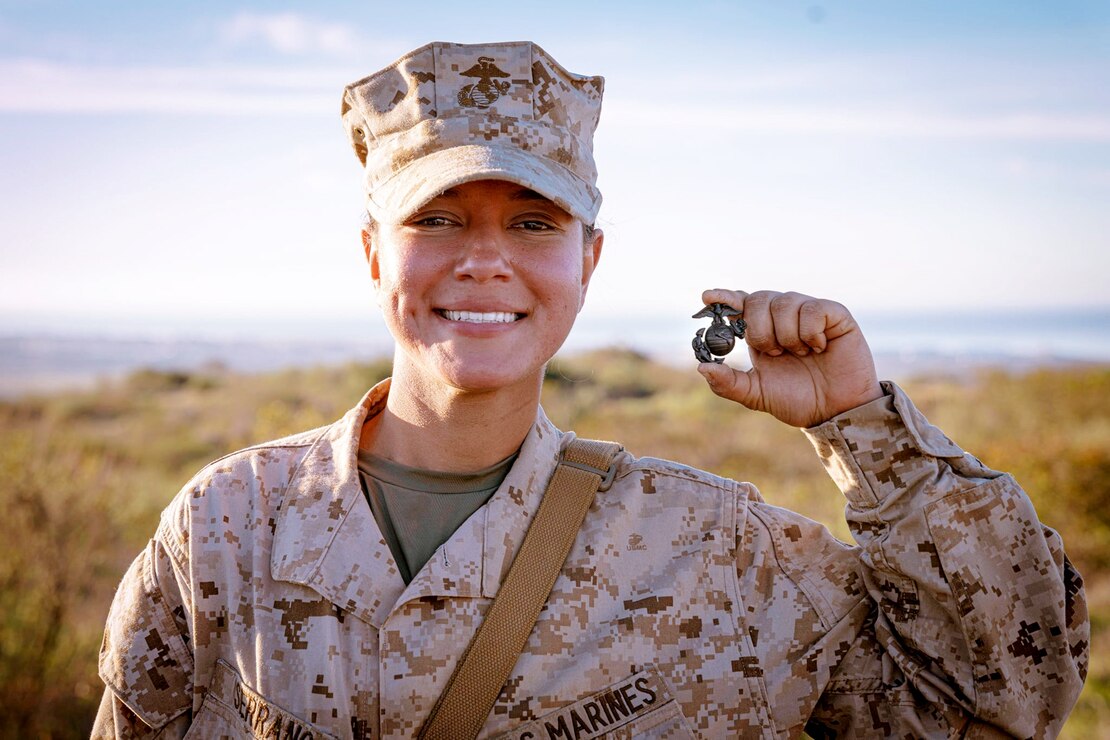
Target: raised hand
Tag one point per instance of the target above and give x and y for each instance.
(810, 361)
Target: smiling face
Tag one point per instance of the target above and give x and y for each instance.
(481, 286)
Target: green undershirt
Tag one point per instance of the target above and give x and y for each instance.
(418, 510)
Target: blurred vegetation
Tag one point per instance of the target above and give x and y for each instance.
(85, 475)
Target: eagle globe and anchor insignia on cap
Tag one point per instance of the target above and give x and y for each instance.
(486, 90)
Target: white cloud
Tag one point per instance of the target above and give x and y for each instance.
(290, 33)
(39, 86)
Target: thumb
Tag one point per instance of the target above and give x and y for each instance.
(743, 388)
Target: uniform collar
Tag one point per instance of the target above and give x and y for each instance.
(475, 559)
(326, 538)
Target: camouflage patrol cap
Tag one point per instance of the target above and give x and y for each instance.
(447, 113)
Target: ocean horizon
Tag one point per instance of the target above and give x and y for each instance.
(46, 355)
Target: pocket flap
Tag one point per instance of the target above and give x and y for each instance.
(233, 708)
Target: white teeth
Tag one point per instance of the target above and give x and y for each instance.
(495, 317)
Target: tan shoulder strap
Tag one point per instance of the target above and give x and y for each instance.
(585, 468)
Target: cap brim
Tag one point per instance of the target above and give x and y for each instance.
(423, 179)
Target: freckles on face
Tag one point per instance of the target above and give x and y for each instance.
(399, 286)
(482, 285)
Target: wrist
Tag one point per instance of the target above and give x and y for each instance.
(873, 392)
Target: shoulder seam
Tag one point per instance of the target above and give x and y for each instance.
(173, 543)
(710, 479)
(277, 444)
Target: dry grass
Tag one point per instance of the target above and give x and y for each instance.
(85, 475)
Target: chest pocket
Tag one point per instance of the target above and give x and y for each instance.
(232, 709)
(639, 707)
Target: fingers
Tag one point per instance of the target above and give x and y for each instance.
(785, 322)
(785, 309)
(812, 322)
(809, 358)
(742, 387)
(734, 298)
(760, 334)
(775, 324)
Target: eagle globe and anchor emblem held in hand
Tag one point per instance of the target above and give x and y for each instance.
(482, 93)
(721, 336)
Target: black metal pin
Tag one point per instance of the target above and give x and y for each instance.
(721, 336)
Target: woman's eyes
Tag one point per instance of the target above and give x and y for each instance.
(533, 225)
(433, 221)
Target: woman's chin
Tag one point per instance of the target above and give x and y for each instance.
(465, 366)
(489, 380)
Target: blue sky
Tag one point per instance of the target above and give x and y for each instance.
(170, 163)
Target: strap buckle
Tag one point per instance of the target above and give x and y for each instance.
(607, 476)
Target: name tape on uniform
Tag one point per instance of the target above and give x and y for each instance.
(628, 701)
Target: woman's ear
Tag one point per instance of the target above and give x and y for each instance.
(371, 250)
(591, 254)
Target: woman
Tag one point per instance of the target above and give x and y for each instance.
(327, 584)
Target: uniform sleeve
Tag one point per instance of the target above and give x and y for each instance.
(146, 660)
(977, 619)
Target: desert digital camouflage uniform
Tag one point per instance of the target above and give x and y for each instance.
(268, 604)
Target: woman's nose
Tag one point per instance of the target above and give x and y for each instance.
(485, 255)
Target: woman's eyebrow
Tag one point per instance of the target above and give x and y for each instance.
(528, 194)
(521, 194)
